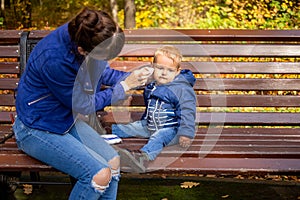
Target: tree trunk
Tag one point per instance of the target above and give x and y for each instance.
(129, 12)
(27, 14)
(2, 8)
(114, 10)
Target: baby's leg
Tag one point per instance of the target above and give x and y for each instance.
(158, 141)
(134, 129)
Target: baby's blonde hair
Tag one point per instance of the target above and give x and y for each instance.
(169, 51)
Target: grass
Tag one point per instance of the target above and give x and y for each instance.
(171, 188)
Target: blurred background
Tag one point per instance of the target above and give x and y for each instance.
(130, 14)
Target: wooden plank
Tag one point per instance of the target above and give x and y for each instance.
(249, 118)
(221, 67)
(198, 35)
(38, 34)
(213, 100)
(223, 118)
(243, 67)
(127, 65)
(9, 67)
(216, 50)
(9, 51)
(284, 132)
(219, 100)
(5, 128)
(247, 84)
(211, 35)
(10, 36)
(7, 100)
(8, 83)
(21, 162)
(5, 117)
(225, 165)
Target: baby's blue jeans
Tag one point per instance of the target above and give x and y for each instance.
(157, 140)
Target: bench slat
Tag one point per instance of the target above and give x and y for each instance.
(5, 117)
(211, 50)
(7, 100)
(221, 67)
(249, 118)
(198, 35)
(9, 51)
(243, 67)
(9, 83)
(284, 132)
(5, 128)
(21, 162)
(247, 84)
(9, 68)
(247, 101)
(10, 36)
(219, 100)
(226, 165)
(211, 35)
(224, 118)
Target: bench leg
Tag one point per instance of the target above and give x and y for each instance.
(73, 181)
(8, 183)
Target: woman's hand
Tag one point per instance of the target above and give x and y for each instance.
(138, 77)
(184, 141)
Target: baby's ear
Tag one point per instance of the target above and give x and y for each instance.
(178, 71)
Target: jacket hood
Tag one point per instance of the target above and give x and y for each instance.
(186, 76)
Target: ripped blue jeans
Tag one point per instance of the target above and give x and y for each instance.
(80, 153)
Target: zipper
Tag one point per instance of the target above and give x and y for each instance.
(158, 115)
(71, 126)
(153, 114)
(39, 99)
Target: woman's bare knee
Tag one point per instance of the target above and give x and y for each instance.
(102, 179)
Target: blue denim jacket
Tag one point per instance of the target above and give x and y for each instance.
(58, 83)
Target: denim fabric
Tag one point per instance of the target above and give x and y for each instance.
(157, 141)
(80, 153)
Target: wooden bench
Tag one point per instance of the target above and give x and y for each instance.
(247, 91)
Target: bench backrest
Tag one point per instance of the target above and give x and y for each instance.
(244, 78)
(237, 69)
(10, 70)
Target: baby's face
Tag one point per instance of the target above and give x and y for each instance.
(165, 70)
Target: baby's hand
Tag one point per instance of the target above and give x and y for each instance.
(184, 141)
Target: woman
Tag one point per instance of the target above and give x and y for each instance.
(62, 79)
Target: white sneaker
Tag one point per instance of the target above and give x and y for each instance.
(111, 138)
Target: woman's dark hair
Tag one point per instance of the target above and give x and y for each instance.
(90, 28)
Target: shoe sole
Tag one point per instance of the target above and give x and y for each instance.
(129, 160)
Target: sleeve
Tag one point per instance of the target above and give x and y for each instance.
(64, 84)
(89, 103)
(187, 113)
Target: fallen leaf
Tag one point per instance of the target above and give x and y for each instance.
(27, 188)
(188, 184)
